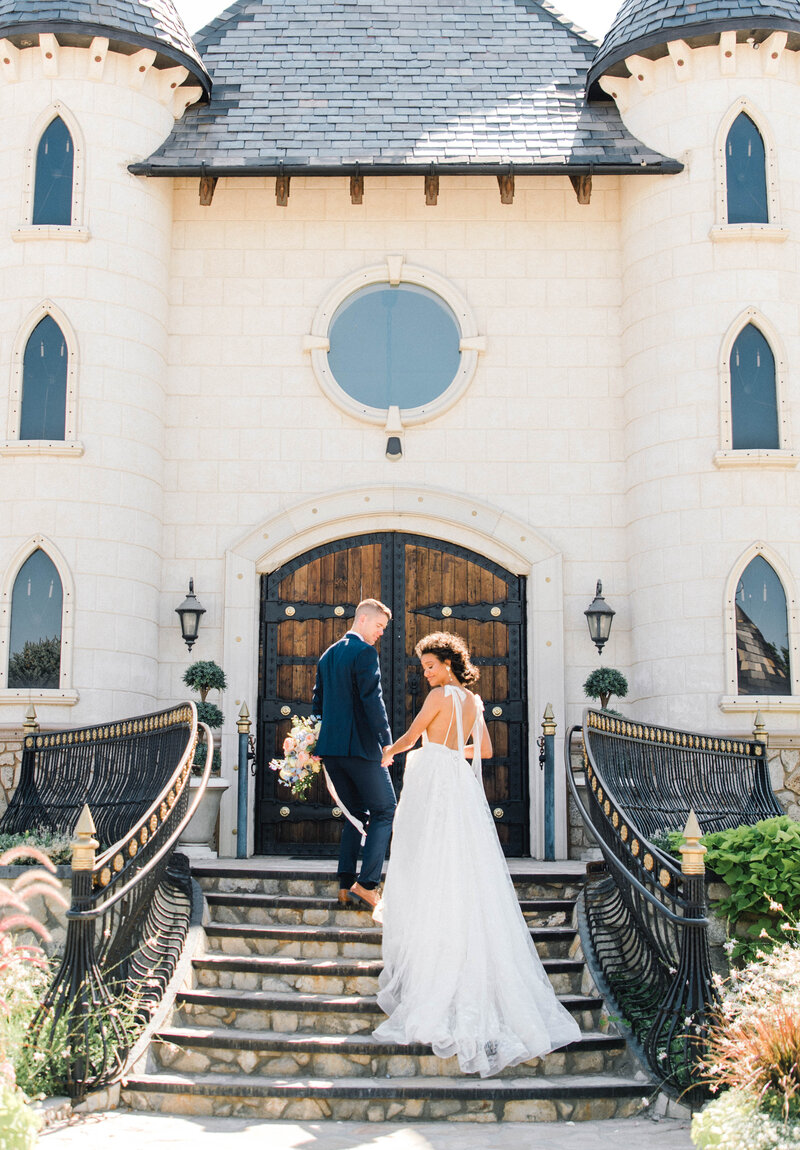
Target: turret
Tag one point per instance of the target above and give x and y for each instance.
(708, 321)
(86, 88)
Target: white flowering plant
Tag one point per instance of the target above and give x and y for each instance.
(299, 766)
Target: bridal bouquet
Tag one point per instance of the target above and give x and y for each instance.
(300, 765)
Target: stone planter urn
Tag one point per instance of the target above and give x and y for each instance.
(198, 840)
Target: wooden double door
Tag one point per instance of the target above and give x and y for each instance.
(310, 602)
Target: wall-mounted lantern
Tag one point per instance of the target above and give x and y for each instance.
(598, 616)
(189, 612)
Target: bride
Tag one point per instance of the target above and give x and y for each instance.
(460, 970)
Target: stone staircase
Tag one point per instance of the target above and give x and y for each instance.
(278, 1020)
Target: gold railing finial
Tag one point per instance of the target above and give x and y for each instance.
(549, 721)
(760, 729)
(243, 723)
(31, 724)
(692, 851)
(84, 844)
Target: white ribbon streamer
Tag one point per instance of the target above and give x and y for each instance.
(351, 818)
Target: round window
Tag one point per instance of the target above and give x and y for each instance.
(394, 346)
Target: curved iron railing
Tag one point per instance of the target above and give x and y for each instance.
(131, 905)
(642, 920)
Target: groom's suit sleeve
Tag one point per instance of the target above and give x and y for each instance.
(368, 683)
(316, 698)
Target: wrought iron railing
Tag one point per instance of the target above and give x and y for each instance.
(131, 905)
(642, 918)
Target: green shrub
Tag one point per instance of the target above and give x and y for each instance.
(211, 714)
(204, 676)
(19, 1125)
(603, 683)
(56, 845)
(761, 865)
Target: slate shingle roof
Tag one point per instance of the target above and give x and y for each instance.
(642, 24)
(323, 85)
(140, 23)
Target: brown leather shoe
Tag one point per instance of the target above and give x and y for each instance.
(370, 897)
(344, 897)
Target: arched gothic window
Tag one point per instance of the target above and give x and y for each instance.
(754, 404)
(52, 196)
(44, 383)
(745, 164)
(762, 632)
(36, 613)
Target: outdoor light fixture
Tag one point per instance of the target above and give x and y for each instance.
(598, 616)
(190, 611)
(394, 447)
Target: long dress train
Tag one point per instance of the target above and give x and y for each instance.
(460, 973)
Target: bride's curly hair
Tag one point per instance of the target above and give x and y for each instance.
(446, 646)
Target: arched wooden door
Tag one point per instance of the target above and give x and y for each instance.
(309, 603)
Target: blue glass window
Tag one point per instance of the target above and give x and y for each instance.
(762, 632)
(52, 196)
(394, 346)
(745, 160)
(44, 383)
(754, 406)
(36, 601)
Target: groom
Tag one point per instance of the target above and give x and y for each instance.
(353, 736)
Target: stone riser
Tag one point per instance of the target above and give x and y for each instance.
(312, 916)
(299, 1021)
(563, 983)
(326, 887)
(580, 1108)
(238, 945)
(189, 1059)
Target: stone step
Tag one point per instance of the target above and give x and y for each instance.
(216, 1050)
(257, 908)
(331, 976)
(352, 942)
(546, 1099)
(292, 1012)
(226, 876)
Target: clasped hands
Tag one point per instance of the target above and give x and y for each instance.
(387, 759)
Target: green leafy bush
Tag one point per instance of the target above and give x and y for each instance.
(603, 683)
(211, 714)
(761, 865)
(55, 845)
(735, 1122)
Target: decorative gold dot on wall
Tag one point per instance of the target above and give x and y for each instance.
(141, 68)
(313, 510)
(547, 579)
(366, 499)
(474, 513)
(240, 576)
(238, 638)
(265, 535)
(548, 643)
(420, 499)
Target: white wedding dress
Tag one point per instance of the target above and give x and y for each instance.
(460, 970)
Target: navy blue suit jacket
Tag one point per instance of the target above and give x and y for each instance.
(348, 696)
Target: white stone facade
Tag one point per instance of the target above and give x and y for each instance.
(590, 442)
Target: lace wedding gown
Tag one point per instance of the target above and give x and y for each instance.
(460, 970)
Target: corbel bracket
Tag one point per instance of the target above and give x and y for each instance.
(357, 188)
(207, 187)
(506, 183)
(432, 188)
(282, 190)
(583, 188)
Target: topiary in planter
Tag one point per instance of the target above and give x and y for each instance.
(605, 682)
(204, 676)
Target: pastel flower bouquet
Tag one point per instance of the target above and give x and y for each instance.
(299, 766)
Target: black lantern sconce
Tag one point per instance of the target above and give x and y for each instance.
(598, 616)
(189, 613)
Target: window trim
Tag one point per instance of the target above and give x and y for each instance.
(394, 271)
(29, 230)
(731, 699)
(723, 230)
(69, 445)
(64, 695)
(727, 455)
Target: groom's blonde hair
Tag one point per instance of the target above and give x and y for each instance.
(372, 607)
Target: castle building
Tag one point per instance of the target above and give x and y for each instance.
(443, 303)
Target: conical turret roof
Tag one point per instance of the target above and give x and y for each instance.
(128, 24)
(645, 27)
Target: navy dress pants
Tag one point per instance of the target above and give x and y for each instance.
(365, 788)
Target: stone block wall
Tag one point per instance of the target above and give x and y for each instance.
(783, 757)
(10, 763)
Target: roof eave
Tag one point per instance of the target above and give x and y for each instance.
(18, 29)
(617, 55)
(664, 166)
